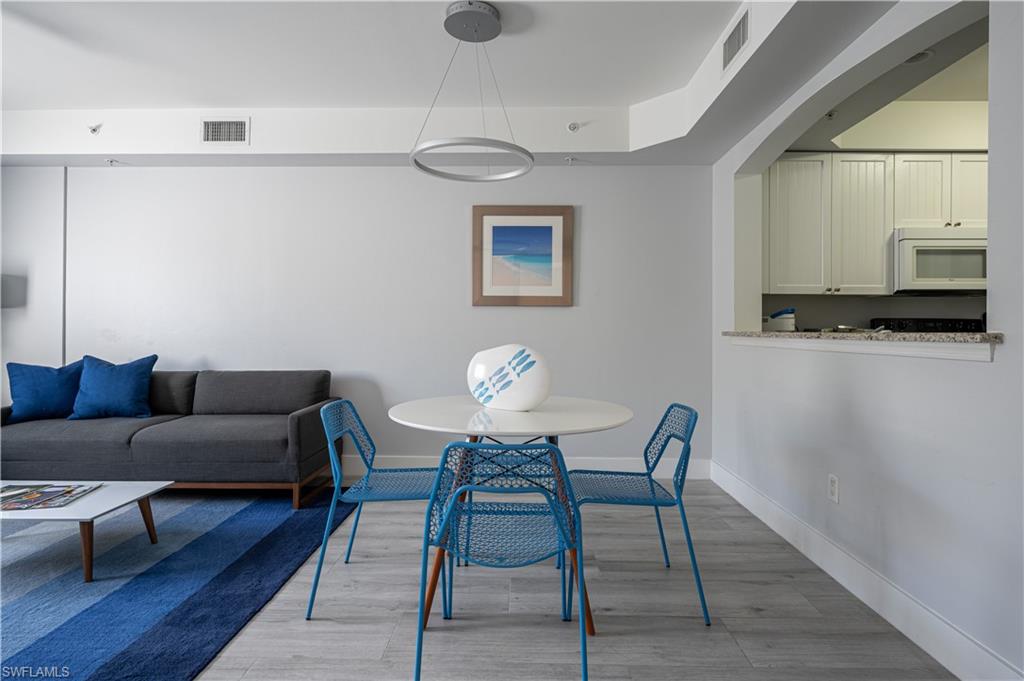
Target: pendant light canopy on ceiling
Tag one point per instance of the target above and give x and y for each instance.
(471, 21)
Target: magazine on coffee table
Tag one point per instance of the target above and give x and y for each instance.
(8, 492)
(21, 497)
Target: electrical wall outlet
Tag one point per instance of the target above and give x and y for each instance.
(833, 488)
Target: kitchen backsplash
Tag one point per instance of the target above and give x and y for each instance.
(817, 312)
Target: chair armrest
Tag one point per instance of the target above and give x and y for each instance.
(5, 413)
(306, 431)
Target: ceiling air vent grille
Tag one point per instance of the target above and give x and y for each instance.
(735, 41)
(236, 131)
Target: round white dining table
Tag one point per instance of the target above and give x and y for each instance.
(463, 415)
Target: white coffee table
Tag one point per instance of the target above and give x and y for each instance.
(109, 497)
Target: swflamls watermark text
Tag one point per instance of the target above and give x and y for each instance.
(26, 672)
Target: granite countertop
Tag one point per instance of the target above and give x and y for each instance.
(891, 336)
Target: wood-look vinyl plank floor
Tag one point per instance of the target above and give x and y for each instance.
(775, 615)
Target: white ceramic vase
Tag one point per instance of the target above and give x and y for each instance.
(512, 377)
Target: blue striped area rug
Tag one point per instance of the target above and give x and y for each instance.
(154, 612)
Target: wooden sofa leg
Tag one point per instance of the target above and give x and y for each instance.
(297, 495)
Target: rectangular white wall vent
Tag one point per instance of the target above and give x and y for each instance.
(735, 41)
(223, 130)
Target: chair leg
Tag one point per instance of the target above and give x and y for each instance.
(469, 529)
(459, 560)
(571, 580)
(424, 609)
(352, 537)
(693, 564)
(323, 549)
(584, 628)
(447, 587)
(566, 593)
(661, 533)
(444, 591)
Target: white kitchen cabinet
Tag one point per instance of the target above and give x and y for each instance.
(831, 217)
(969, 201)
(942, 190)
(923, 190)
(800, 223)
(862, 224)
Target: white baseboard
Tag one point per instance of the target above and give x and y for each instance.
(958, 651)
(700, 469)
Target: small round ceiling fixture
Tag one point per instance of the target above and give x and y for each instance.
(472, 21)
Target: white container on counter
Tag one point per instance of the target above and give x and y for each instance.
(785, 322)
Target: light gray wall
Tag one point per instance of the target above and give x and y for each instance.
(928, 452)
(366, 272)
(33, 227)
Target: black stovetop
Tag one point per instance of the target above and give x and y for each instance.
(929, 324)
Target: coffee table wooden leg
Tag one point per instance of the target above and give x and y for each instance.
(85, 529)
(147, 517)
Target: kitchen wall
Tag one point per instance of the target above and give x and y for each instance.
(928, 530)
(366, 272)
(818, 312)
(920, 126)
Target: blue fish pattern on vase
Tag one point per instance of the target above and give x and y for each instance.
(489, 383)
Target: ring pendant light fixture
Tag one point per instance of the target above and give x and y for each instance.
(471, 21)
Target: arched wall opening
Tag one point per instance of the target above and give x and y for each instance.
(929, 450)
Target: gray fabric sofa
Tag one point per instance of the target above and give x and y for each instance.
(209, 429)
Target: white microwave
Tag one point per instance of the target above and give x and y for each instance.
(940, 259)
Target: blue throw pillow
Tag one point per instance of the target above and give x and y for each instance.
(113, 389)
(42, 392)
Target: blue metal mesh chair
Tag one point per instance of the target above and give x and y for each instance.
(378, 484)
(500, 533)
(641, 489)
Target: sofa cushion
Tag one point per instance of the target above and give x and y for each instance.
(241, 438)
(172, 392)
(109, 389)
(259, 392)
(42, 392)
(92, 440)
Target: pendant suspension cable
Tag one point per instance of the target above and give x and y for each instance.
(480, 88)
(438, 93)
(498, 90)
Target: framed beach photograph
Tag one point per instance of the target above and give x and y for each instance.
(522, 255)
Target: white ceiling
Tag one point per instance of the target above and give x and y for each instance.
(963, 81)
(347, 54)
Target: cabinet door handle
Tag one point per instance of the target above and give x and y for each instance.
(949, 224)
(828, 290)
(837, 290)
(957, 224)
